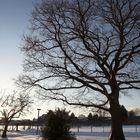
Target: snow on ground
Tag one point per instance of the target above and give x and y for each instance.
(98, 133)
(102, 133)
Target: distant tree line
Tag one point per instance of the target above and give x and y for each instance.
(99, 118)
(130, 117)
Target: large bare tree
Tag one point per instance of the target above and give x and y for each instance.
(85, 52)
(13, 106)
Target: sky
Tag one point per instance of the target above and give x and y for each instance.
(14, 22)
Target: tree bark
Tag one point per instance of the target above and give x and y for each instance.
(4, 134)
(116, 126)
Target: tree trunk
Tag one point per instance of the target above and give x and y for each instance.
(4, 134)
(116, 128)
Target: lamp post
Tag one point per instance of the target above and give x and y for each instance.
(38, 121)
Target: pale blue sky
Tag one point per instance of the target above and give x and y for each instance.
(14, 22)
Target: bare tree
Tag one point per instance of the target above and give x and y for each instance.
(13, 106)
(85, 53)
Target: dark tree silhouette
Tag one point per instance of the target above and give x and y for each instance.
(85, 53)
(13, 106)
(90, 117)
(57, 126)
(134, 112)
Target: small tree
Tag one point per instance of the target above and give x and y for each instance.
(95, 118)
(90, 117)
(13, 106)
(73, 119)
(72, 116)
(57, 126)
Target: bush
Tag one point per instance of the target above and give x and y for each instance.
(57, 126)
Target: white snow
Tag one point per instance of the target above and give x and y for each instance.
(98, 133)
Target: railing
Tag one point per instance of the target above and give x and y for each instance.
(103, 129)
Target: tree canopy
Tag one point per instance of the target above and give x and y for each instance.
(83, 46)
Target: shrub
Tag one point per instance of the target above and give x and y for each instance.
(57, 126)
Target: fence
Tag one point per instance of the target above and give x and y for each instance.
(92, 129)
